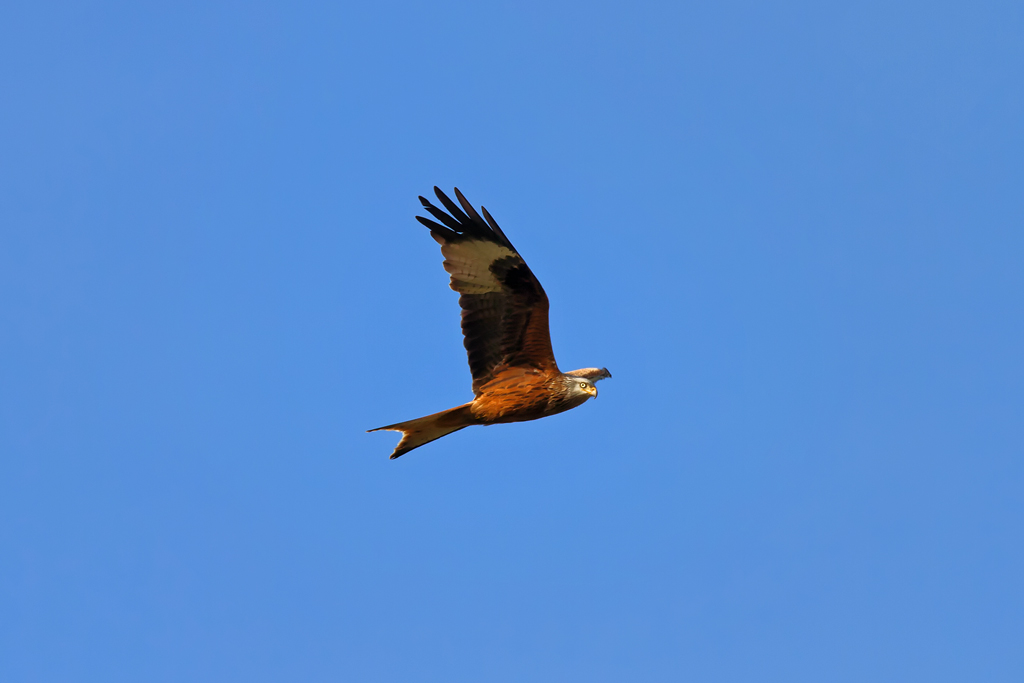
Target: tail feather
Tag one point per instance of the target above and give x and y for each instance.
(423, 430)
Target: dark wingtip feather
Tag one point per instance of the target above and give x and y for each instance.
(461, 222)
(438, 228)
(446, 219)
(494, 226)
(458, 221)
(467, 207)
(453, 209)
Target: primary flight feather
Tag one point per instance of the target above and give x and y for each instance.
(505, 326)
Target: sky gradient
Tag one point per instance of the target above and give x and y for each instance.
(792, 231)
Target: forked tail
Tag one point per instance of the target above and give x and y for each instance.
(423, 430)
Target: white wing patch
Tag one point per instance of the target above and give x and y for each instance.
(469, 263)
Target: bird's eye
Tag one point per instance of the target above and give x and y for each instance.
(583, 385)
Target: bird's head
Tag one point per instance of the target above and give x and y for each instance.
(581, 382)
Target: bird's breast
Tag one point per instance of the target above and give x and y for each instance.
(520, 397)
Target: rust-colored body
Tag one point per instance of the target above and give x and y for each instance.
(520, 394)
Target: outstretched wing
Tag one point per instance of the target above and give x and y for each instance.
(504, 308)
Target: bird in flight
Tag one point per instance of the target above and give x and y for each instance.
(505, 326)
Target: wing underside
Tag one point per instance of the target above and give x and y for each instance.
(504, 307)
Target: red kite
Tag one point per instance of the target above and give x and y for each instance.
(505, 325)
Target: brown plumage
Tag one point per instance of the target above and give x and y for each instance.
(505, 326)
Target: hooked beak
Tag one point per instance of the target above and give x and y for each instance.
(592, 391)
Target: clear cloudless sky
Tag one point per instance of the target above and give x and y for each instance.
(791, 230)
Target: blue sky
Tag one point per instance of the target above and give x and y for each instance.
(792, 231)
